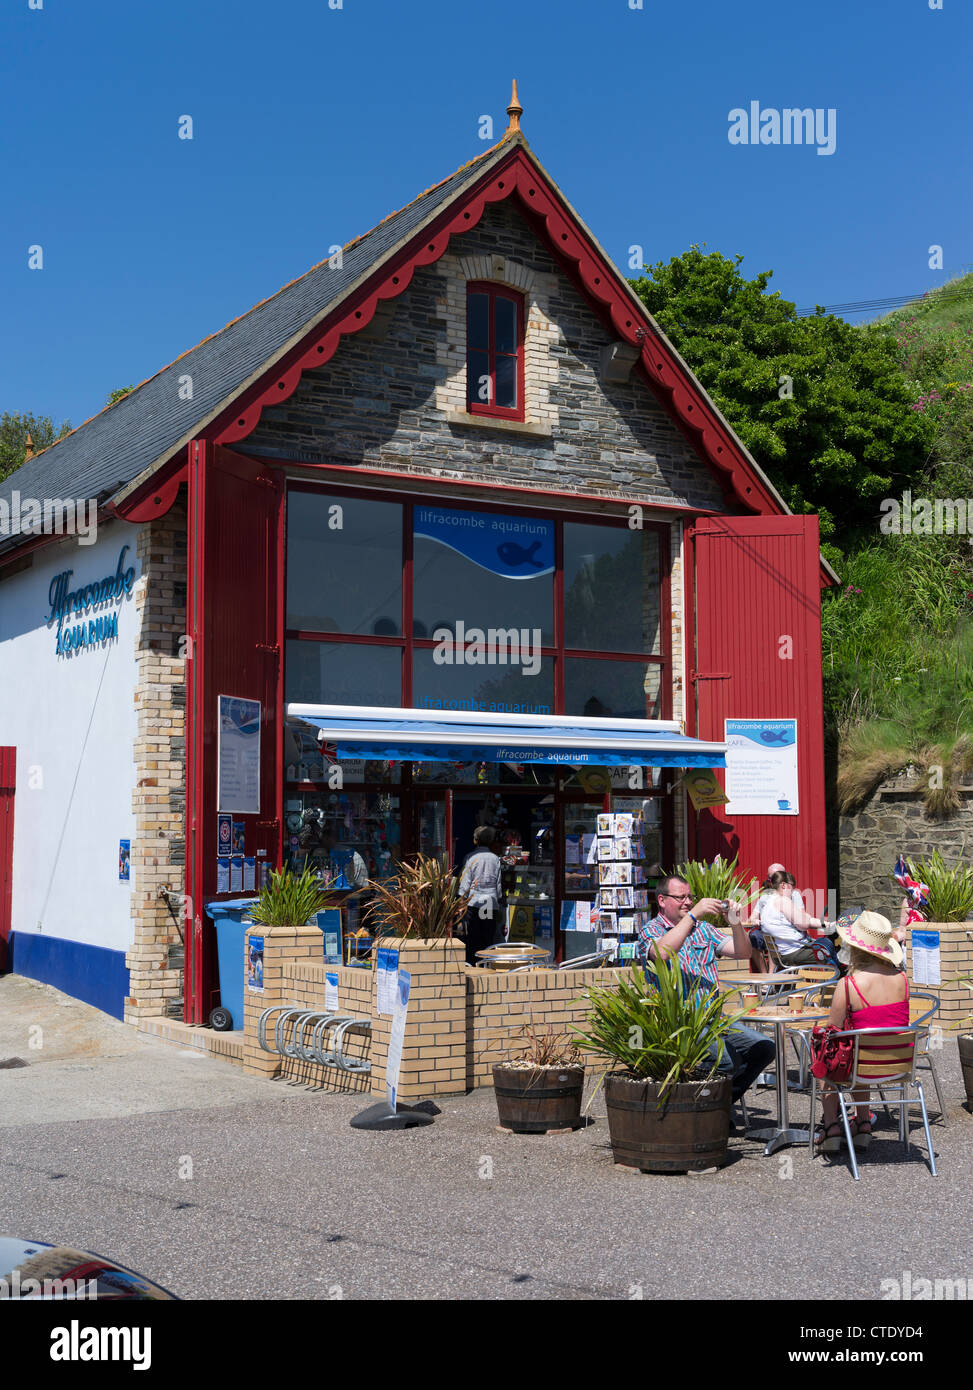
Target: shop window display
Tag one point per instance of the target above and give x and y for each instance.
(489, 590)
(366, 822)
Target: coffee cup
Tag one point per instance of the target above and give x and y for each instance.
(750, 999)
(796, 1003)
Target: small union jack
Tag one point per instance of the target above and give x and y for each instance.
(917, 893)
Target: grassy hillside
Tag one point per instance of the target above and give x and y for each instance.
(898, 636)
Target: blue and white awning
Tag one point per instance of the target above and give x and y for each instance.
(447, 736)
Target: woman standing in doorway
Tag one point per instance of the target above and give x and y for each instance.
(482, 882)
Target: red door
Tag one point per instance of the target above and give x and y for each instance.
(235, 540)
(8, 782)
(758, 656)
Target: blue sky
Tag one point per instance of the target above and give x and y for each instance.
(311, 124)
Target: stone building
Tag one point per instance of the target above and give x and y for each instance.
(443, 533)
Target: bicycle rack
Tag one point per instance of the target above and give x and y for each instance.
(295, 1022)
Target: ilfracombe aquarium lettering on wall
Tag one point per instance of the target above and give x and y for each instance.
(65, 602)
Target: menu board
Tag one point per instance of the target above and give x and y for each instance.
(761, 767)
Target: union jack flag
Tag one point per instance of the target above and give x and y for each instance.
(916, 892)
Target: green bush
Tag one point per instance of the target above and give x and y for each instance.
(950, 890)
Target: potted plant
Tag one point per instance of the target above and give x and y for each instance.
(951, 900)
(291, 900)
(719, 880)
(668, 1111)
(422, 902)
(539, 1088)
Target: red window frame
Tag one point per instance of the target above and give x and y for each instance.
(408, 643)
(493, 293)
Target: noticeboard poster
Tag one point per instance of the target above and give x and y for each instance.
(239, 755)
(397, 1035)
(761, 767)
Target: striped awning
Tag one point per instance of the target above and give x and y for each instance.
(432, 736)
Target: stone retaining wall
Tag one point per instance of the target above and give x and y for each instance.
(895, 821)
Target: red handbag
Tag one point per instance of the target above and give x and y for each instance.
(832, 1057)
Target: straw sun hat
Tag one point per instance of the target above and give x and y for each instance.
(872, 932)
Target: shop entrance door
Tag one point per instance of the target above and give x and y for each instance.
(8, 780)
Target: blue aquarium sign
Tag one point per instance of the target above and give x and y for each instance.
(66, 602)
(515, 547)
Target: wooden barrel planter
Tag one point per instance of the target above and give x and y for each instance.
(965, 1044)
(532, 1101)
(690, 1132)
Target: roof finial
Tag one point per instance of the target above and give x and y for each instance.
(29, 449)
(514, 111)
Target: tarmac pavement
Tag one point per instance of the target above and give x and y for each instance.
(285, 1200)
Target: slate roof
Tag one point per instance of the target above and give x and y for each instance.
(113, 448)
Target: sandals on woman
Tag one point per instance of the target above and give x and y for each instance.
(861, 1134)
(827, 1143)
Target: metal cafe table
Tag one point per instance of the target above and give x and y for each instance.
(783, 1132)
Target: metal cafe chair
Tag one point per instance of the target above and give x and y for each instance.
(815, 995)
(815, 973)
(874, 1048)
(588, 962)
(919, 1017)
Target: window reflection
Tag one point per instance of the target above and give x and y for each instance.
(611, 589)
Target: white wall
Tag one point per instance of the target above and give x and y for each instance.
(72, 721)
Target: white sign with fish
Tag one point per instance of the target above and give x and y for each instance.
(761, 767)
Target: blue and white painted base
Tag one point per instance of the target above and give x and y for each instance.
(93, 974)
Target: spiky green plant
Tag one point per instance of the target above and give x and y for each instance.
(423, 900)
(720, 880)
(546, 1046)
(290, 900)
(661, 1033)
(950, 890)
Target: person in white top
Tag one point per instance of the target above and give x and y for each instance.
(783, 919)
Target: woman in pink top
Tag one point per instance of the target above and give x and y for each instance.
(874, 994)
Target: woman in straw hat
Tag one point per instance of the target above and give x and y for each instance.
(874, 994)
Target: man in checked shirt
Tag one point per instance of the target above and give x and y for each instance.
(679, 928)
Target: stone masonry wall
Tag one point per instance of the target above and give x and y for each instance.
(895, 822)
(399, 402)
(159, 800)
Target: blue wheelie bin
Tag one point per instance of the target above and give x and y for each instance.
(228, 917)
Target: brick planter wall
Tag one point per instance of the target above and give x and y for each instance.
(460, 1021)
(498, 1004)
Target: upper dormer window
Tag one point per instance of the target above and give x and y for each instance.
(494, 351)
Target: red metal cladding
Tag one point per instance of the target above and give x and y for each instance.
(234, 616)
(758, 655)
(8, 784)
